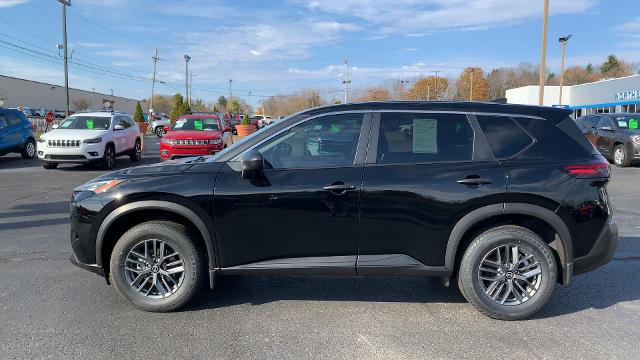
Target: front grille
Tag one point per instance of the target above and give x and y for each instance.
(63, 143)
(190, 142)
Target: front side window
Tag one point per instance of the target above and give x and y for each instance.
(196, 124)
(323, 142)
(86, 123)
(424, 138)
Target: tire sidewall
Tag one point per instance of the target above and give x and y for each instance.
(624, 160)
(191, 261)
(25, 152)
(105, 161)
(533, 246)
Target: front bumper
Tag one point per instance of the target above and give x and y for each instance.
(167, 152)
(83, 154)
(601, 252)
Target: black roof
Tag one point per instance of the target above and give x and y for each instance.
(553, 114)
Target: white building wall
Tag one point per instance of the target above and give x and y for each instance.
(604, 91)
(528, 95)
(19, 92)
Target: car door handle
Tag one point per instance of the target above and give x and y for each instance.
(474, 180)
(339, 188)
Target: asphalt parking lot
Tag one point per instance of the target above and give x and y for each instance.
(51, 309)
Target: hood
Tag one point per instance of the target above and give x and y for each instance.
(71, 134)
(165, 168)
(192, 134)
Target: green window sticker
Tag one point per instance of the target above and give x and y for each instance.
(197, 125)
(633, 124)
(90, 124)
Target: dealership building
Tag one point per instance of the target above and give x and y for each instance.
(15, 92)
(621, 95)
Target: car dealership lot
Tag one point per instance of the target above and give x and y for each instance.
(49, 308)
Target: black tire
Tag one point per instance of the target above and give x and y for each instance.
(159, 131)
(29, 149)
(472, 287)
(625, 159)
(179, 238)
(109, 157)
(136, 153)
(50, 166)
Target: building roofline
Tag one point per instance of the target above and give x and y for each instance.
(70, 88)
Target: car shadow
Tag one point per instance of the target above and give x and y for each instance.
(23, 213)
(15, 161)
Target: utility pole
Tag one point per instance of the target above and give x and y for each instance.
(437, 92)
(190, 88)
(471, 86)
(186, 76)
(153, 83)
(346, 80)
(543, 53)
(230, 92)
(563, 42)
(65, 3)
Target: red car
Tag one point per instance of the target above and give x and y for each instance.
(194, 135)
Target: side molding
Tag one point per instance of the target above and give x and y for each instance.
(159, 205)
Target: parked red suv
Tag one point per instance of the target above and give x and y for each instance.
(194, 135)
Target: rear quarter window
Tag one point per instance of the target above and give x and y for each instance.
(564, 141)
(504, 136)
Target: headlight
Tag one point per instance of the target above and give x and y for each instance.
(99, 187)
(635, 139)
(215, 141)
(93, 141)
(167, 141)
(41, 140)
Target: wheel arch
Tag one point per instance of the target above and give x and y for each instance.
(496, 214)
(104, 242)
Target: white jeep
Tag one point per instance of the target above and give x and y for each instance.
(93, 137)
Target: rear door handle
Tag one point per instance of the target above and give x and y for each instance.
(339, 188)
(474, 180)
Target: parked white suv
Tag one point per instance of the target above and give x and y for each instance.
(95, 137)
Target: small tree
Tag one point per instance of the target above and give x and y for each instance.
(138, 116)
(185, 109)
(245, 120)
(81, 104)
(176, 109)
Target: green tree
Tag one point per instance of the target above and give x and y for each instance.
(589, 68)
(185, 109)
(234, 106)
(138, 116)
(614, 67)
(245, 120)
(222, 102)
(176, 109)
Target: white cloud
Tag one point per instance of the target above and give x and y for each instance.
(11, 3)
(419, 17)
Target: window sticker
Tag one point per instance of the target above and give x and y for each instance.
(425, 136)
(197, 125)
(633, 124)
(622, 124)
(179, 124)
(90, 124)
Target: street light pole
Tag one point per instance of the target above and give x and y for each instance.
(543, 53)
(563, 42)
(65, 3)
(186, 76)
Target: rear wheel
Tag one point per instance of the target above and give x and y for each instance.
(156, 266)
(50, 166)
(136, 152)
(620, 156)
(29, 149)
(507, 273)
(109, 158)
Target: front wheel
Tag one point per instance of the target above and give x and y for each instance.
(156, 266)
(159, 131)
(621, 157)
(136, 152)
(507, 273)
(29, 149)
(109, 158)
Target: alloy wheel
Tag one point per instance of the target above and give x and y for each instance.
(109, 158)
(138, 150)
(159, 132)
(618, 156)
(509, 275)
(31, 149)
(154, 268)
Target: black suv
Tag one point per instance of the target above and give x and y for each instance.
(616, 136)
(506, 199)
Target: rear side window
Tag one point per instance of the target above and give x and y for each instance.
(568, 127)
(552, 141)
(504, 136)
(424, 138)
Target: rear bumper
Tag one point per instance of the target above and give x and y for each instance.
(601, 253)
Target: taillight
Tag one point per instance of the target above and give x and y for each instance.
(590, 170)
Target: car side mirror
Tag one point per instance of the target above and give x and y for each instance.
(55, 126)
(252, 164)
(118, 127)
(607, 128)
(166, 128)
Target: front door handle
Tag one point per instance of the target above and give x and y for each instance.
(474, 181)
(339, 188)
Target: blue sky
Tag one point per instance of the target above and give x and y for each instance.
(276, 47)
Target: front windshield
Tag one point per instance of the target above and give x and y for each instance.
(196, 124)
(86, 123)
(626, 122)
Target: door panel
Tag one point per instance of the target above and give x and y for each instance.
(304, 204)
(120, 136)
(603, 139)
(426, 172)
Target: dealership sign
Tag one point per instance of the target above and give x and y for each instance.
(628, 95)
